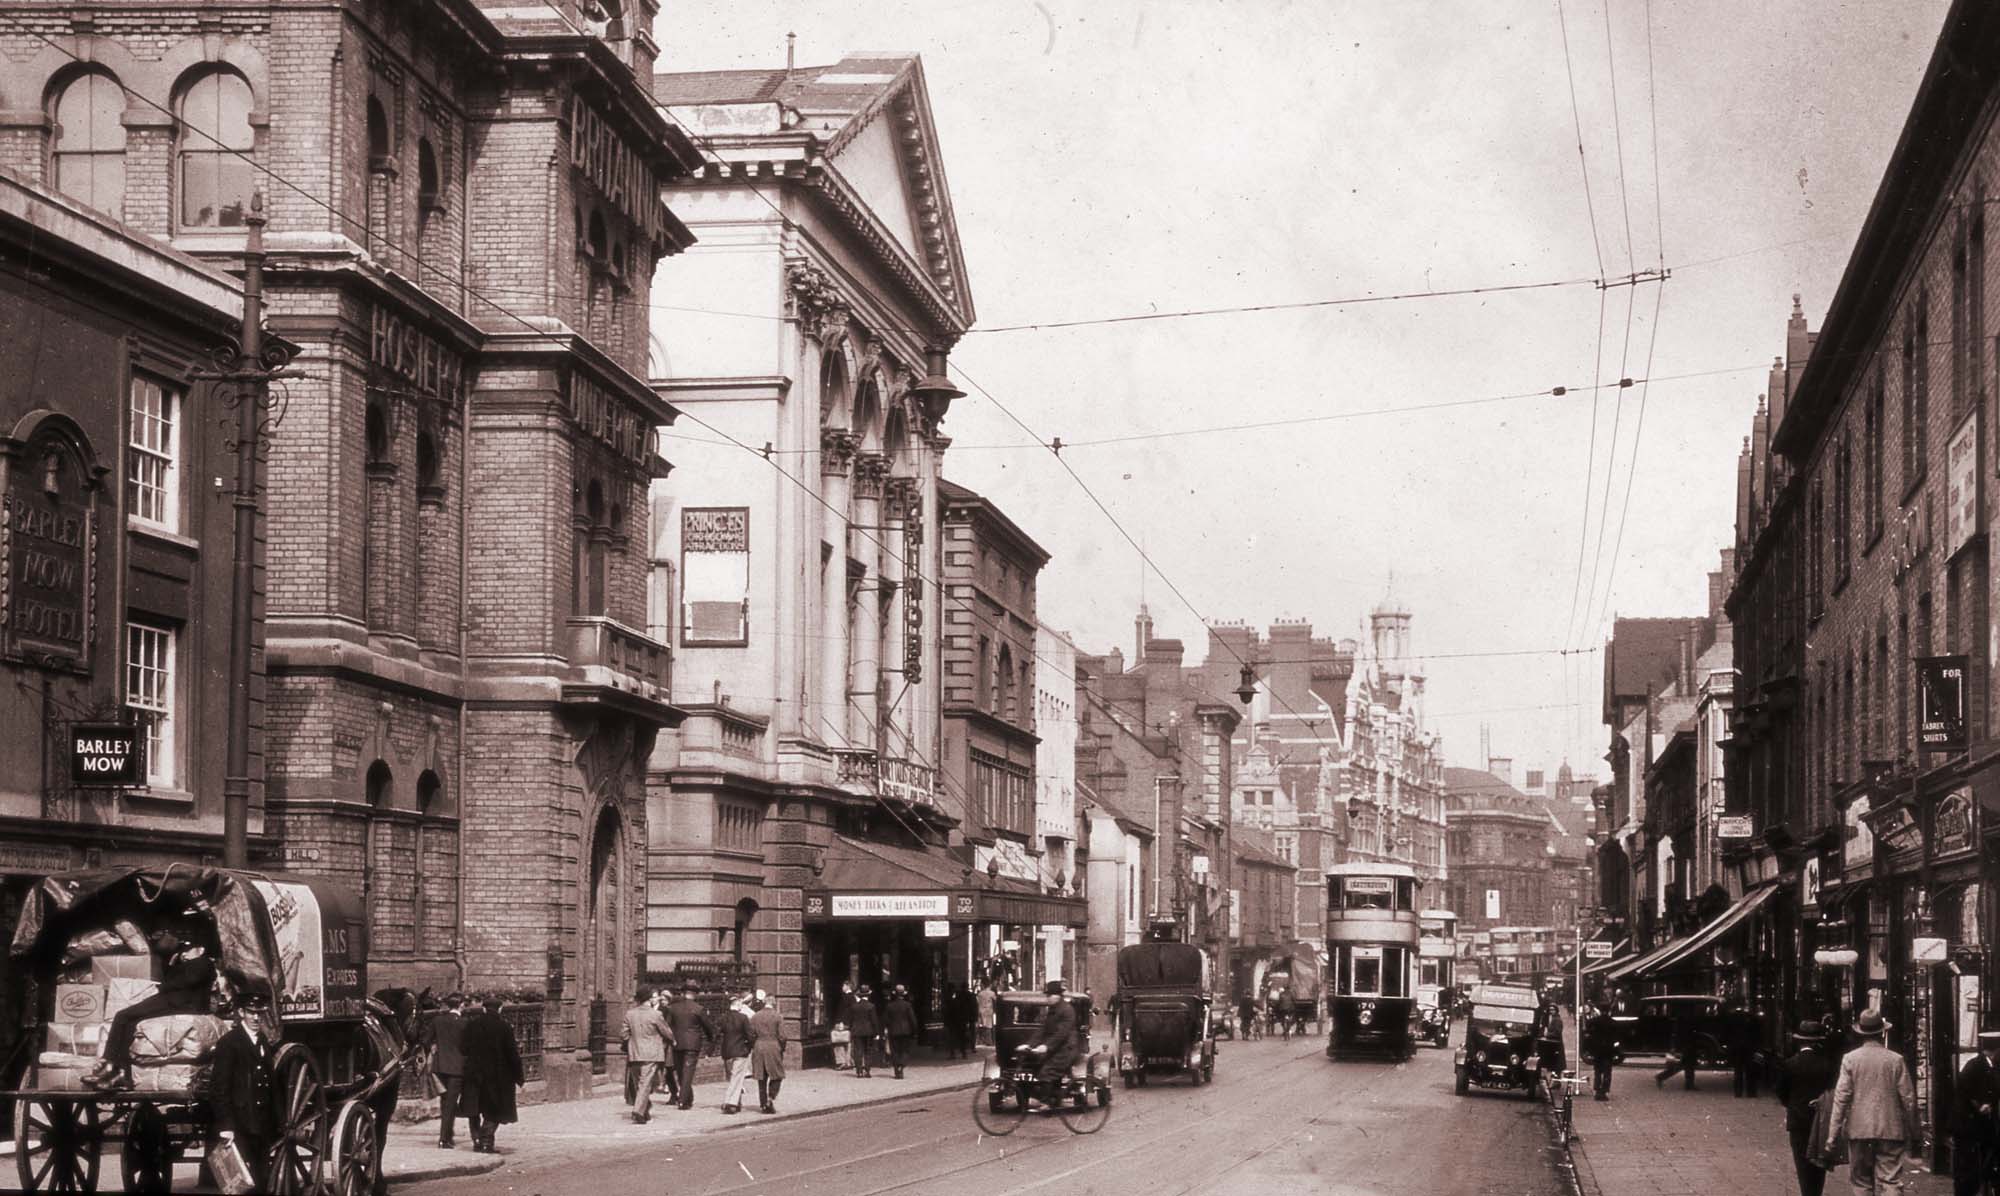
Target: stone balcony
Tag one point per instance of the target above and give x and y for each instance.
(611, 664)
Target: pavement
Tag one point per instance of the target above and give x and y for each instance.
(551, 1130)
(1666, 1141)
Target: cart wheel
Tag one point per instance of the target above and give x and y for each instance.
(56, 1144)
(146, 1161)
(1000, 1110)
(354, 1160)
(299, 1158)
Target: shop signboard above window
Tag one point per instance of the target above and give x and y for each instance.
(1941, 703)
(1735, 826)
(891, 905)
(1954, 822)
(106, 755)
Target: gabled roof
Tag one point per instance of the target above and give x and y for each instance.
(868, 116)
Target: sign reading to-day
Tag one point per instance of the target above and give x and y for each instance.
(106, 754)
(891, 905)
(1941, 703)
(1735, 826)
(1597, 949)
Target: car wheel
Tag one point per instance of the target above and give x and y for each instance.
(1461, 1083)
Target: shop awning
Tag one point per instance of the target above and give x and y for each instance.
(1638, 964)
(1619, 954)
(1708, 935)
(866, 880)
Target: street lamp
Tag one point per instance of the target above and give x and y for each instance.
(1246, 685)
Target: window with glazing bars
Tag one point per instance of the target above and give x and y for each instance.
(152, 480)
(149, 695)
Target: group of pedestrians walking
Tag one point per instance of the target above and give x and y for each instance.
(666, 1035)
(477, 1066)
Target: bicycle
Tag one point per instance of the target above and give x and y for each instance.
(1561, 1089)
(1081, 1101)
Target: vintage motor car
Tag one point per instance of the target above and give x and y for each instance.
(1163, 1012)
(1649, 1028)
(1499, 1047)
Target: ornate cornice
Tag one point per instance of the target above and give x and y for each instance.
(816, 302)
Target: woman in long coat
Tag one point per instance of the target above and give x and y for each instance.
(767, 1054)
(492, 1072)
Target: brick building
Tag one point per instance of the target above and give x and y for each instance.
(115, 557)
(1863, 551)
(463, 219)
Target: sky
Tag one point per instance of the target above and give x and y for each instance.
(1118, 157)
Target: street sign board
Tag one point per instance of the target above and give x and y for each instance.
(1941, 703)
(1735, 826)
(936, 930)
(106, 754)
(1597, 949)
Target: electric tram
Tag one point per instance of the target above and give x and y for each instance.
(1437, 959)
(1371, 942)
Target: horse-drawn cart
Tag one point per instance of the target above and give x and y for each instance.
(299, 944)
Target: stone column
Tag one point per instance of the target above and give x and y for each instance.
(865, 684)
(903, 690)
(836, 455)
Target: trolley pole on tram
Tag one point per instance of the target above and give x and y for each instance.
(243, 375)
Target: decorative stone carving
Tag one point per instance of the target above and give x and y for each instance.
(814, 300)
(836, 448)
(870, 471)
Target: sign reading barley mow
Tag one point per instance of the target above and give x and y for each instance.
(891, 905)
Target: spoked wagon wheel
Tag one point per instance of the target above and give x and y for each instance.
(999, 1110)
(354, 1161)
(56, 1144)
(299, 1158)
(146, 1160)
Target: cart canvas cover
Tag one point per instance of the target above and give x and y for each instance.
(295, 939)
(1162, 965)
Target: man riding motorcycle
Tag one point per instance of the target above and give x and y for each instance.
(1055, 1041)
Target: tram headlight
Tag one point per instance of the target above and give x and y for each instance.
(1367, 1016)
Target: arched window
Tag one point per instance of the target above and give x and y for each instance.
(593, 513)
(216, 177)
(87, 162)
(378, 133)
(1006, 680)
(832, 388)
(430, 804)
(430, 470)
(430, 189)
(597, 239)
(379, 783)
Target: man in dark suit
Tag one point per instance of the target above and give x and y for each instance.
(1057, 1036)
(240, 1086)
(188, 976)
(1600, 1046)
(693, 1030)
(492, 1073)
(1804, 1080)
(445, 1033)
(1975, 1119)
(899, 1024)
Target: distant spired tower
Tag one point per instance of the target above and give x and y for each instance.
(1390, 625)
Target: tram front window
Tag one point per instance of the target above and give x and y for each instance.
(1367, 977)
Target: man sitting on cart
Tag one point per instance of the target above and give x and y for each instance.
(184, 988)
(1055, 1041)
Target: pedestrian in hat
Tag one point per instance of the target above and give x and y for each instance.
(1803, 1081)
(443, 1034)
(1975, 1119)
(649, 1045)
(1876, 1104)
(733, 1037)
(492, 1073)
(865, 1025)
(767, 1053)
(241, 1086)
(692, 1029)
(899, 1025)
(1600, 1046)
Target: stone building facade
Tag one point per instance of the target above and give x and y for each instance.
(464, 213)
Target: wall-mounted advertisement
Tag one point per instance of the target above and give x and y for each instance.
(1961, 510)
(715, 577)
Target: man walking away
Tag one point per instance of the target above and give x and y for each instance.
(448, 1064)
(693, 1030)
(733, 1034)
(1876, 1104)
(1975, 1119)
(1683, 1058)
(899, 1022)
(1600, 1046)
(1803, 1082)
(767, 1054)
(963, 1014)
(865, 1025)
(492, 1072)
(647, 1043)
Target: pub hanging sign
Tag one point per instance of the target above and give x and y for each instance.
(1941, 703)
(106, 755)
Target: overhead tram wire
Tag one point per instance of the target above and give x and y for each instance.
(1589, 472)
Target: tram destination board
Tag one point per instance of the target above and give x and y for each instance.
(106, 755)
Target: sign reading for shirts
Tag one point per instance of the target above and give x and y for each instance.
(1941, 703)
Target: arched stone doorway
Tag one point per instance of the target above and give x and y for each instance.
(601, 945)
